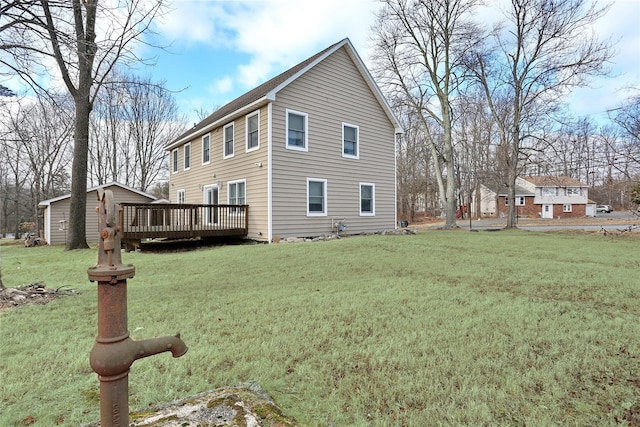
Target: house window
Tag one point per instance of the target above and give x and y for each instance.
(350, 136)
(316, 197)
(566, 207)
(297, 130)
(236, 192)
(367, 199)
(206, 149)
(573, 191)
(174, 160)
(228, 140)
(253, 124)
(180, 196)
(187, 156)
(519, 201)
(549, 191)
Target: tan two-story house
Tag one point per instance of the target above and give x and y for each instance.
(311, 152)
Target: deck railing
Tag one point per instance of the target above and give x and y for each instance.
(182, 221)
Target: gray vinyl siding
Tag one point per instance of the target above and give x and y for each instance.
(331, 93)
(219, 171)
(59, 210)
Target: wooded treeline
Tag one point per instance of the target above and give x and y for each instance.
(133, 119)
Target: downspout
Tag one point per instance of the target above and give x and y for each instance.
(269, 172)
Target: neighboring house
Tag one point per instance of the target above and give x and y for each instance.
(56, 211)
(539, 197)
(310, 151)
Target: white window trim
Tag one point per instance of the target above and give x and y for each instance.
(573, 191)
(306, 131)
(235, 211)
(373, 199)
(224, 142)
(184, 196)
(203, 138)
(520, 201)
(175, 160)
(567, 207)
(184, 163)
(351, 156)
(246, 132)
(324, 202)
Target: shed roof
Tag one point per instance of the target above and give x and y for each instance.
(267, 91)
(46, 203)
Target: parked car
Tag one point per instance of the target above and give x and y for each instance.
(604, 208)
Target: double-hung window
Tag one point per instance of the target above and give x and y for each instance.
(316, 197)
(253, 128)
(187, 156)
(228, 140)
(566, 207)
(297, 132)
(206, 149)
(236, 191)
(367, 199)
(519, 201)
(350, 135)
(573, 191)
(174, 161)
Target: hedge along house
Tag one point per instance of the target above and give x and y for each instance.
(56, 211)
(311, 152)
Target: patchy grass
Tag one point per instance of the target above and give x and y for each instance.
(457, 328)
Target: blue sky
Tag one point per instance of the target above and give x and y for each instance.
(221, 49)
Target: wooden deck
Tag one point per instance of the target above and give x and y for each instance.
(181, 221)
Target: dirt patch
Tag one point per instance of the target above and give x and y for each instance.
(35, 293)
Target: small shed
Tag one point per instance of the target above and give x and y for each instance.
(56, 211)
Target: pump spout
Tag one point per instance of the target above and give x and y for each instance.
(149, 347)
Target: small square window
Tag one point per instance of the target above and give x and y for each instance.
(297, 130)
(567, 207)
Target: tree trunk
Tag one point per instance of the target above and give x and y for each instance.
(77, 238)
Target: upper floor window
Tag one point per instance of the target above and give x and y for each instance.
(367, 199)
(297, 132)
(519, 201)
(187, 156)
(174, 161)
(228, 140)
(573, 191)
(548, 191)
(253, 125)
(350, 136)
(206, 149)
(316, 197)
(180, 196)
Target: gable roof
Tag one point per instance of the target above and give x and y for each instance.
(267, 92)
(46, 203)
(554, 181)
(503, 190)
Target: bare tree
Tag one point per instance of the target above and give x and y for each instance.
(69, 33)
(543, 50)
(419, 46)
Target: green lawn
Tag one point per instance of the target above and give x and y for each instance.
(507, 328)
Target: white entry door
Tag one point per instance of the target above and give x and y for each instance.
(547, 211)
(211, 198)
